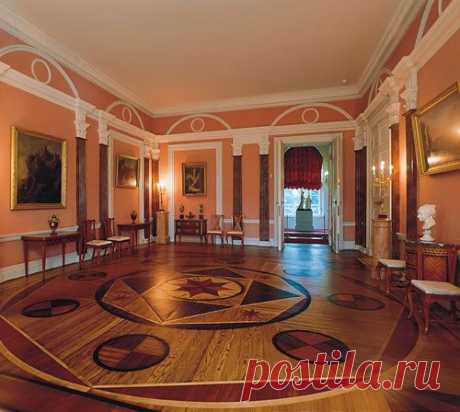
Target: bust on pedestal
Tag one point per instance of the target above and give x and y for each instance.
(304, 214)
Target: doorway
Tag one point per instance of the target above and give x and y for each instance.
(326, 203)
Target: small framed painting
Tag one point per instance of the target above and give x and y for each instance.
(194, 179)
(127, 172)
(437, 133)
(38, 171)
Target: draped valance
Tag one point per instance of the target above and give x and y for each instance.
(302, 168)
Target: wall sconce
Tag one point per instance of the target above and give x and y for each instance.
(382, 180)
(161, 190)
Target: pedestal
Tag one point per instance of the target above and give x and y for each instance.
(304, 220)
(381, 241)
(162, 227)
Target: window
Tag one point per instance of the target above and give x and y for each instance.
(292, 200)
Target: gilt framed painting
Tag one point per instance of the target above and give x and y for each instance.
(127, 172)
(437, 133)
(194, 179)
(38, 170)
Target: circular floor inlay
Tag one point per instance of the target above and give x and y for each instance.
(87, 275)
(206, 298)
(305, 345)
(354, 301)
(201, 288)
(49, 308)
(131, 352)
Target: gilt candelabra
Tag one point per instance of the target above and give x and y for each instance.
(382, 180)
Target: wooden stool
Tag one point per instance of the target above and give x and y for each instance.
(389, 266)
(431, 291)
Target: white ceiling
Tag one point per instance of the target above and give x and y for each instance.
(174, 54)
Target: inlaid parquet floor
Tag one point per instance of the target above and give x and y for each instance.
(173, 328)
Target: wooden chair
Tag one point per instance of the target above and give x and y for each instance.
(237, 231)
(90, 241)
(216, 228)
(110, 234)
(388, 266)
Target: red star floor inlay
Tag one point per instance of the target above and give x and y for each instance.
(190, 300)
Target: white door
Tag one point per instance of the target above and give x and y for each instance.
(335, 198)
(279, 184)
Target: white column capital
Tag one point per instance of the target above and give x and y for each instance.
(237, 147)
(80, 120)
(264, 145)
(152, 149)
(102, 128)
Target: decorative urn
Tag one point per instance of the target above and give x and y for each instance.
(53, 222)
(133, 216)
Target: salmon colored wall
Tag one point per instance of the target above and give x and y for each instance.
(23, 110)
(440, 72)
(125, 200)
(192, 203)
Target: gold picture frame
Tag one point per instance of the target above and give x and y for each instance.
(38, 171)
(194, 179)
(127, 174)
(437, 133)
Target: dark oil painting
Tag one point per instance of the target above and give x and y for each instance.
(194, 179)
(38, 171)
(127, 171)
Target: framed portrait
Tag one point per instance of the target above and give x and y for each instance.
(437, 133)
(38, 170)
(127, 172)
(194, 179)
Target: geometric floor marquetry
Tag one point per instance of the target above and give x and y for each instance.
(49, 308)
(131, 352)
(216, 298)
(355, 301)
(172, 328)
(306, 345)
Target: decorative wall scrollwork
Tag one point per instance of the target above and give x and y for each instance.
(197, 122)
(39, 61)
(310, 110)
(128, 112)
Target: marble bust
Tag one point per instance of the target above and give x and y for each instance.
(426, 214)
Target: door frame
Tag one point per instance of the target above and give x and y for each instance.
(280, 142)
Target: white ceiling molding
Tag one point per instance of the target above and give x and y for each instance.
(42, 90)
(396, 29)
(27, 32)
(198, 117)
(424, 20)
(262, 101)
(32, 35)
(250, 132)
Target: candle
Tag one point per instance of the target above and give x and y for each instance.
(373, 170)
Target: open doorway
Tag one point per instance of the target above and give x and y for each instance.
(306, 194)
(317, 218)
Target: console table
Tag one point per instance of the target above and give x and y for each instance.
(190, 227)
(49, 239)
(133, 231)
(431, 261)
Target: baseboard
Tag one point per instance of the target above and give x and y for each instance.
(19, 270)
(348, 245)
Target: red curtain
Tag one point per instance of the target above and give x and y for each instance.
(302, 168)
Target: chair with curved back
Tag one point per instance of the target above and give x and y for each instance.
(216, 228)
(90, 241)
(237, 231)
(111, 235)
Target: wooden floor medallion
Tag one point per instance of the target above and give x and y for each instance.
(177, 331)
(49, 308)
(305, 345)
(131, 352)
(355, 301)
(208, 298)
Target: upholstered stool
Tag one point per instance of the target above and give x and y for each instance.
(431, 291)
(389, 266)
